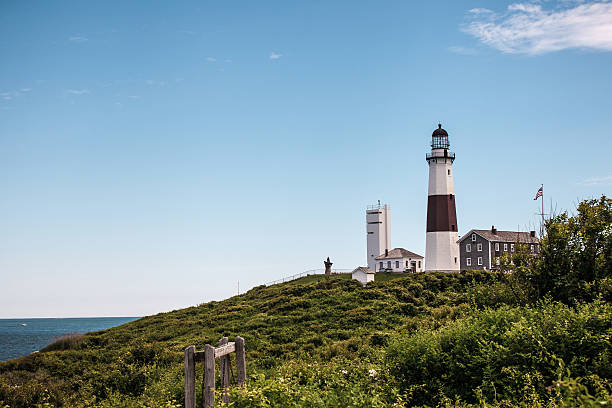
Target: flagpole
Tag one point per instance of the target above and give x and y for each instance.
(542, 226)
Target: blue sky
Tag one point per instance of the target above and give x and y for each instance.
(153, 154)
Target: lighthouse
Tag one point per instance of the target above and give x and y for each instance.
(441, 247)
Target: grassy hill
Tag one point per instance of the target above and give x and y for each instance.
(316, 317)
(316, 341)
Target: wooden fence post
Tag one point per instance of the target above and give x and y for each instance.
(224, 365)
(209, 376)
(240, 361)
(190, 391)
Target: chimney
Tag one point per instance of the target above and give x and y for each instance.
(493, 230)
(532, 234)
(386, 252)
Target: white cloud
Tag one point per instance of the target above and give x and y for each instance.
(526, 28)
(480, 11)
(597, 181)
(25, 89)
(211, 59)
(457, 49)
(274, 55)
(133, 96)
(152, 82)
(77, 91)
(78, 38)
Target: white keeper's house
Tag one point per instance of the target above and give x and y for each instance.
(399, 260)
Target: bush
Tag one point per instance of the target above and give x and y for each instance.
(500, 352)
(66, 342)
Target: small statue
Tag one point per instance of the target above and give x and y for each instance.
(328, 264)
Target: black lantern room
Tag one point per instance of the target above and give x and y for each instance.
(439, 138)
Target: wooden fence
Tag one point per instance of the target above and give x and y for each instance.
(208, 356)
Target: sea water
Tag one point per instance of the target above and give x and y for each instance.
(19, 337)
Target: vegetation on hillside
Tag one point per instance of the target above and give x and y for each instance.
(537, 334)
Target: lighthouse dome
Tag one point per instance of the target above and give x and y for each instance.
(439, 131)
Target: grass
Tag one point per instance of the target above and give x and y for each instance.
(297, 330)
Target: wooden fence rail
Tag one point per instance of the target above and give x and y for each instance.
(208, 356)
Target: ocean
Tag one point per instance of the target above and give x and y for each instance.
(20, 337)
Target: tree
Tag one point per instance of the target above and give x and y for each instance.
(576, 253)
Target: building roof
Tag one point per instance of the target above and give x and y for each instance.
(503, 236)
(398, 253)
(364, 269)
(439, 131)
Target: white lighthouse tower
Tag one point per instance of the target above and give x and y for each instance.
(379, 232)
(441, 247)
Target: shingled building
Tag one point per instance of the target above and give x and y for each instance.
(482, 249)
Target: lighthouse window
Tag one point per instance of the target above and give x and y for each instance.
(473, 237)
(468, 261)
(480, 260)
(479, 247)
(468, 247)
(449, 172)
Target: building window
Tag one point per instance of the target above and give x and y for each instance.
(512, 247)
(532, 248)
(419, 264)
(468, 247)
(473, 237)
(455, 260)
(480, 260)
(381, 266)
(479, 247)
(396, 264)
(497, 246)
(389, 264)
(505, 247)
(453, 227)
(406, 264)
(468, 261)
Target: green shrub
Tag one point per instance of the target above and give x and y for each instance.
(500, 352)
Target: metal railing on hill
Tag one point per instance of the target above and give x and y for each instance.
(306, 273)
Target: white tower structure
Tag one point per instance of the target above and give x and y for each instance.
(378, 231)
(441, 247)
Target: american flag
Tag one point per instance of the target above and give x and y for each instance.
(539, 193)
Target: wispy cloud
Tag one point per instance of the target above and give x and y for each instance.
(25, 89)
(527, 28)
(274, 56)
(480, 11)
(597, 181)
(78, 38)
(153, 82)
(211, 59)
(457, 49)
(133, 96)
(77, 91)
